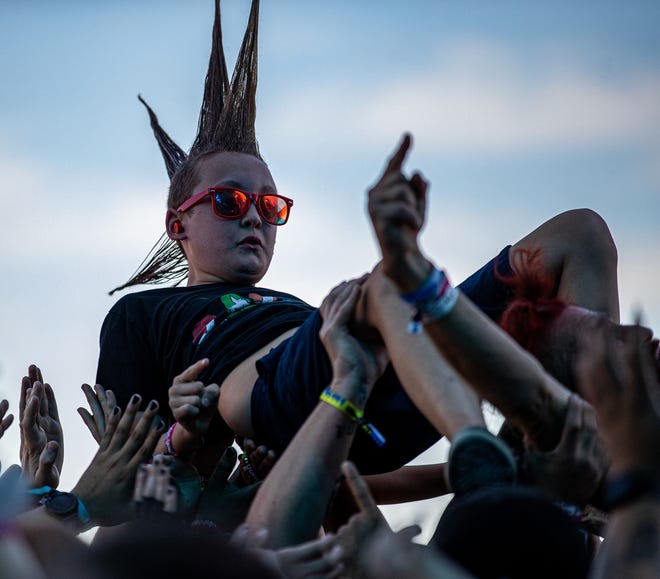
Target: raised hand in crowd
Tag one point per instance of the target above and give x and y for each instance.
(108, 483)
(317, 559)
(617, 373)
(42, 441)
(193, 406)
(101, 403)
(5, 419)
(389, 555)
(155, 496)
(224, 504)
(372, 549)
(575, 468)
(254, 463)
(293, 500)
(353, 536)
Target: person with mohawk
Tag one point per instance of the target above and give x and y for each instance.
(260, 348)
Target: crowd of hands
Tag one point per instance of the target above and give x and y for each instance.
(126, 481)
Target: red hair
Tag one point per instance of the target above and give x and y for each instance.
(535, 305)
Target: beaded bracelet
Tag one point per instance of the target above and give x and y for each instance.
(354, 413)
(433, 300)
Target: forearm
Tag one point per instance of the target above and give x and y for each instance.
(432, 383)
(501, 371)
(410, 483)
(632, 543)
(292, 500)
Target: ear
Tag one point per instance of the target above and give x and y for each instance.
(173, 226)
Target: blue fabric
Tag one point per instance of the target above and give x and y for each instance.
(293, 375)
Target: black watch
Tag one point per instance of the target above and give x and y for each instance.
(63, 506)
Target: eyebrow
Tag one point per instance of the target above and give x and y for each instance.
(239, 185)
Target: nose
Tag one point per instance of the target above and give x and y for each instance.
(252, 217)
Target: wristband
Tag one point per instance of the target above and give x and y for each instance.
(354, 413)
(168, 440)
(630, 487)
(433, 300)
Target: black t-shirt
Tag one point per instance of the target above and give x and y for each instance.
(149, 337)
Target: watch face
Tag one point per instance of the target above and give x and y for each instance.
(62, 504)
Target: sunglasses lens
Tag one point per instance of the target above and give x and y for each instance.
(274, 209)
(230, 203)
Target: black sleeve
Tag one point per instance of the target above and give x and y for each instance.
(128, 358)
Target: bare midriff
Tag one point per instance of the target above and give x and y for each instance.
(236, 389)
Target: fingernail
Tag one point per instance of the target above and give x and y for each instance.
(115, 411)
(135, 399)
(153, 405)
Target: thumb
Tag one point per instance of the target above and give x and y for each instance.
(191, 372)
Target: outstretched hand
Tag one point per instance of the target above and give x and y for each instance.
(101, 402)
(576, 466)
(617, 373)
(106, 487)
(355, 534)
(5, 421)
(317, 559)
(42, 440)
(222, 502)
(397, 207)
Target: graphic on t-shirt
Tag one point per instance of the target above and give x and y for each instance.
(233, 304)
(202, 329)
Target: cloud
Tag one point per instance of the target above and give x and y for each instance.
(60, 217)
(480, 98)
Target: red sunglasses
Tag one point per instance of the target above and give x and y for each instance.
(231, 203)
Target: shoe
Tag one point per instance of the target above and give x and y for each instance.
(478, 459)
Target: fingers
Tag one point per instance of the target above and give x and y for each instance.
(360, 490)
(319, 558)
(34, 374)
(52, 403)
(90, 423)
(395, 162)
(111, 426)
(210, 396)
(140, 482)
(48, 456)
(340, 302)
(29, 424)
(223, 469)
(95, 421)
(144, 435)
(5, 421)
(125, 424)
(260, 458)
(572, 423)
(191, 372)
(25, 386)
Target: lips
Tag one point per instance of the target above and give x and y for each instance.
(251, 241)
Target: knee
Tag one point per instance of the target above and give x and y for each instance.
(588, 233)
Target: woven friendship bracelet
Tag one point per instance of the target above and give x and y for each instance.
(168, 440)
(433, 300)
(354, 413)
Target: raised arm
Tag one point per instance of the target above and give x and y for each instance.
(292, 500)
(618, 374)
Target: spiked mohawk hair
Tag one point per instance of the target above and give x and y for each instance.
(226, 123)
